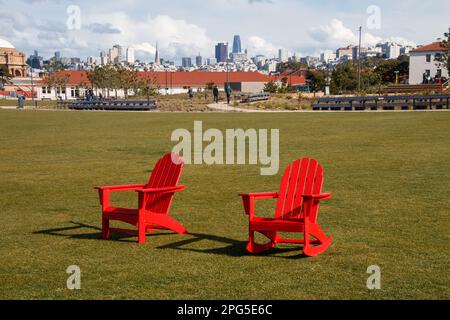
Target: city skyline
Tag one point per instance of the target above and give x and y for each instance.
(183, 31)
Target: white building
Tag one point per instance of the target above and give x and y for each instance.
(393, 51)
(130, 56)
(346, 53)
(211, 61)
(327, 56)
(283, 55)
(423, 62)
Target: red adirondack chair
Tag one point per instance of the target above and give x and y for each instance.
(296, 211)
(155, 199)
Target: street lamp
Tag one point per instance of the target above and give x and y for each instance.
(32, 88)
(396, 76)
(327, 81)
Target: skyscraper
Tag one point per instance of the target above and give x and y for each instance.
(222, 52)
(187, 62)
(57, 56)
(157, 58)
(116, 54)
(130, 56)
(283, 55)
(237, 47)
(199, 60)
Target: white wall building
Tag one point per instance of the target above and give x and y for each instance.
(393, 51)
(327, 56)
(423, 61)
(283, 55)
(131, 56)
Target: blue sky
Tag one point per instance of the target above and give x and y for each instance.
(186, 28)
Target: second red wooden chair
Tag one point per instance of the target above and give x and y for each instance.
(296, 211)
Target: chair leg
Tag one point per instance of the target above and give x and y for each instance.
(106, 232)
(255, 248)
(318, 233)
(142, 237)
(168, 223)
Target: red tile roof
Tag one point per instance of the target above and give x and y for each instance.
(435, 46)
(184, 79)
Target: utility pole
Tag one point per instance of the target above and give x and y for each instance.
(359, 60)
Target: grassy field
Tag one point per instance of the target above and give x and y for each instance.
(28, 103)
(389, 173)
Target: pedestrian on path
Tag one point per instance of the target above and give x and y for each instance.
(229, 93)
(216, 94)
(21, 102)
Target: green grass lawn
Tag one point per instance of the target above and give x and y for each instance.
(28, 103)
(389, 173)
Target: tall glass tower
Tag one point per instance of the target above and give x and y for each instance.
(237, 47)
(222, 52)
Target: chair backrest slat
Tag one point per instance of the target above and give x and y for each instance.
(167, 173)
(304, 176)
(317, 189)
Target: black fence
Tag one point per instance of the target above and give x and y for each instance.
(387, 103)
(108, 105)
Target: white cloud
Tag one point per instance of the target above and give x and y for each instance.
(175, 37)
(258, 45)
(335, 34)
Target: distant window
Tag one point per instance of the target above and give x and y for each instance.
(439, 73)
(428, 57)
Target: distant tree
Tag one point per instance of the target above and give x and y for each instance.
(444, 58)
(56, 80)
(5, 76)
(284, 85)
(316, 80)
(125, 78)
(291, 67)
(271, 87)
(344, 79)
(148, 86)
(387, 69)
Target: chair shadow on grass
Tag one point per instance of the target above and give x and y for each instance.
(232, 248)
(68, 232)
(225, 246)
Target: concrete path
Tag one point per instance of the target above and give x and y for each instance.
(222, 106)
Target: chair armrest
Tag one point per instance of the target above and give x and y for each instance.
(162, 190)
(250, 198)
(261, 195)
(318, 197)
(104, 192)
(121, 188)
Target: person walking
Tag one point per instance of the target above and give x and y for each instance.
(21, 102)
(216, 94)
(229, 93)
(191, 93)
